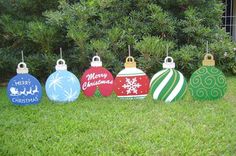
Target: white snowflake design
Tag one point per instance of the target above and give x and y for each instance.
(70, 95)
(72, 79)
(131, 86)
(55, 82)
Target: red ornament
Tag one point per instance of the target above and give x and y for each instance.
(131, 82)
(97, 78)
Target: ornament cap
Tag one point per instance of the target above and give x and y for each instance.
(129, 62)
(168, 64)
(61, 65)
(96, 62)
(22, 68)
(208, 60)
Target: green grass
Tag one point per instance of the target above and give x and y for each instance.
(109, 126)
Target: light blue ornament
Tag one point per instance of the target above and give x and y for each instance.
(62, 85)
(24, 89)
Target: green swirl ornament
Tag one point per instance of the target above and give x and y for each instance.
(208, 82)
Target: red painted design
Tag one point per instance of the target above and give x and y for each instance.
(131, 86)
(97, 77)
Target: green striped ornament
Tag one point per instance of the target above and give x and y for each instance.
(168, 84)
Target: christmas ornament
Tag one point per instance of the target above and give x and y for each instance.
(97, 80)
(208, 82)
(62, 85)
(131, 82)
(168, 84)
(24, 89)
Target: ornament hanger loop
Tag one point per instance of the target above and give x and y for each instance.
(22, 67)
(169, 58)
(169, 64)
(208, 57)
(96, 58)
(208, 60)
(96, 61)
(129, 61)
(61, 63)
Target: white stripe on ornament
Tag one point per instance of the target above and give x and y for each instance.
(162, 85)
(133, 71)
(133, 95)
(142, 74)
(177, 89)
(157, 75)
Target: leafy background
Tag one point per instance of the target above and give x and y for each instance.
(84, 28)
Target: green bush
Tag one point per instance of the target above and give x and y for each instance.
(84, 28)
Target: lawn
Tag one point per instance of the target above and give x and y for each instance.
(109, 126)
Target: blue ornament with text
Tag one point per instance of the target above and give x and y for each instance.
(62, 85)
(24, 89)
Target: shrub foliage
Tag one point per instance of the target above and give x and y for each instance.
(86, 27)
